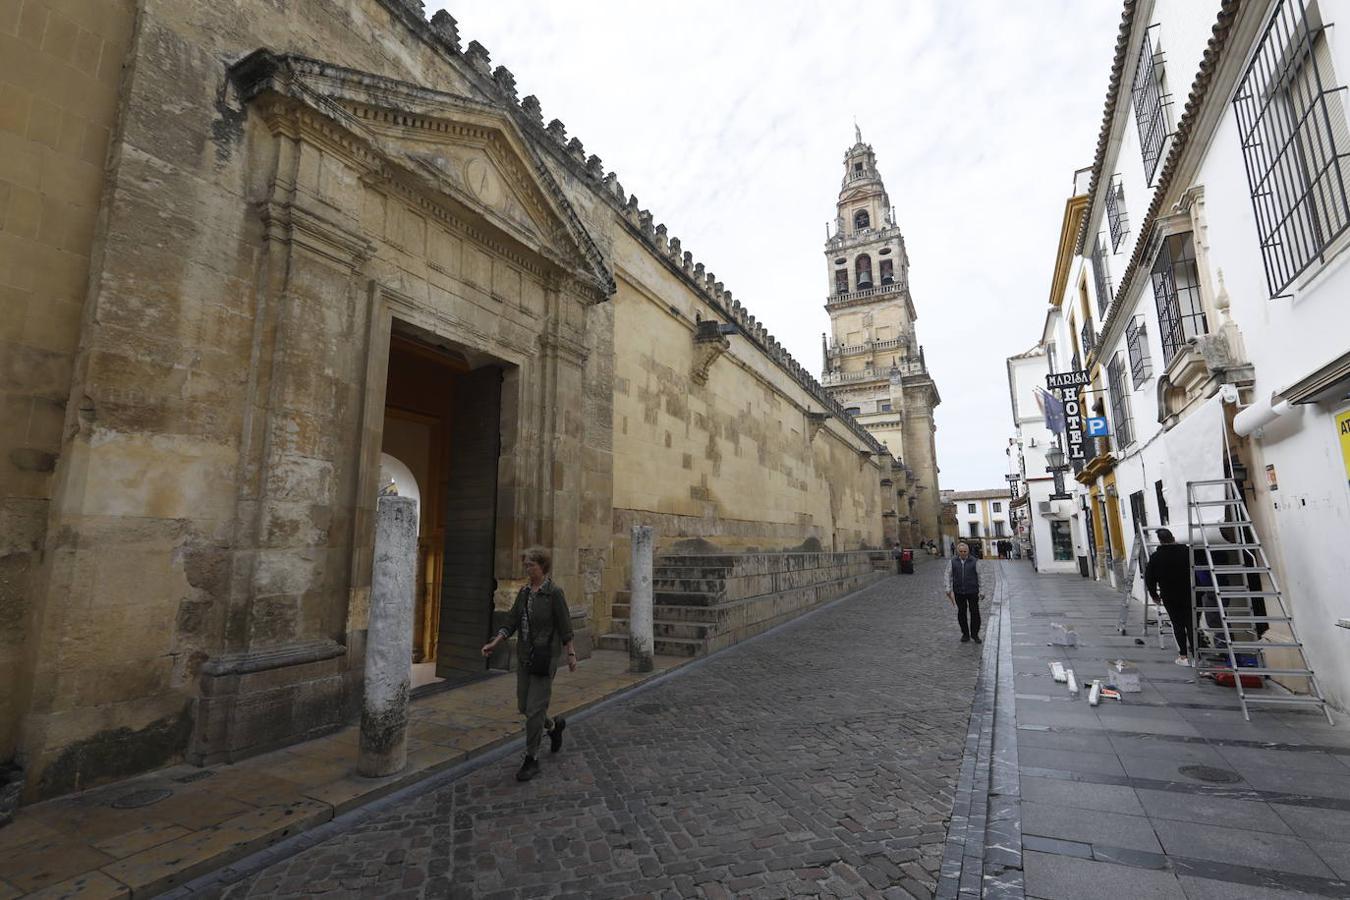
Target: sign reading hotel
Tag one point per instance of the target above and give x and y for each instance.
(1065, 385)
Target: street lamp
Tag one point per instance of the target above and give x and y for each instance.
(1054, 458)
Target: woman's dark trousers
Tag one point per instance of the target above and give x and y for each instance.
(1179, 611)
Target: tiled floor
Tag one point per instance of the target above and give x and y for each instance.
(1106, 807)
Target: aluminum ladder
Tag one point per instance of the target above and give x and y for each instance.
(1235, 592)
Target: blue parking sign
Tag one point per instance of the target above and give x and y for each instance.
(1097, 426)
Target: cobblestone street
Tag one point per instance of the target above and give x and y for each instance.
(820, 759)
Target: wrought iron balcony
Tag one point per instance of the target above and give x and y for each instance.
(1088, 338)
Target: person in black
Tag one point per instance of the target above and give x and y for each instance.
(543, 623)
(1167, 578)
(963, 590)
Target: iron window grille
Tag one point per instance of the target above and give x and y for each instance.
(1150, 104)
(1120, 402)
(1292, 123)
(1117, 220)
(1136, 342)
(1088, 338)
(1100, 277)
(1176, 291)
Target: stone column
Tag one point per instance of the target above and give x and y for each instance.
(384, 707)
(640, 639)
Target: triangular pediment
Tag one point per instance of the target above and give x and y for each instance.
(468, 151)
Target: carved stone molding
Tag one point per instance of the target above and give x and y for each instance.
(814, 422)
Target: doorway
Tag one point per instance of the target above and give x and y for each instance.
(442, 437)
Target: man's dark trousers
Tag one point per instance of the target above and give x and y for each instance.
(969, 602)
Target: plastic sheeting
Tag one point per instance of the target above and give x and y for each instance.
(1193, 451)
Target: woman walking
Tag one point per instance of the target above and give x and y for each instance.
(544, 627)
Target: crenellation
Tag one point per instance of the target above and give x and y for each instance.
(445, 27)
(479, 58)
(506, 82)
(687, 261)
(558, 131)
(532, 110)
(594, 167)
(673, 248)
(577, 151)
(660, 238)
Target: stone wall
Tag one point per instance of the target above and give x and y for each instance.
(205, 559)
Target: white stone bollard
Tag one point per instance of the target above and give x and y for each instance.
(384, 707)
(641, 643)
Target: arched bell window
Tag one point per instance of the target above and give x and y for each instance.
(863, 268)
(841, 281)
(861, 220)
(887, 272)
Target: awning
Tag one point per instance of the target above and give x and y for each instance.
(1330, 382)
(1259, 415)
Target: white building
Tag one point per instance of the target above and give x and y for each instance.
(1044, 527)
(1206, 294)
(982, 514)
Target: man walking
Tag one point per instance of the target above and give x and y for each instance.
(1168, 574)
(963, 590)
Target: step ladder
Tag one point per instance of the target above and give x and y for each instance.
(1235, 593)
(1146, 542)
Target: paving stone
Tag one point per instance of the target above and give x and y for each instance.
(1209, 889)
(1082, 795)
(1236, 846)
(1314, 823)
(1251, 814)
(1089, 826)
(1054, 877)
(817, 760)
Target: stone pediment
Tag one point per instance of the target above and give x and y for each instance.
(465, 152)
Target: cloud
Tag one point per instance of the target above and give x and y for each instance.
(730, 120)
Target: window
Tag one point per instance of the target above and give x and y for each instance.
(1120, 402)
(998, 529)
(1162, 504)
(857, 167)
(970, 508)
(1117, 221)
(1137, 510)
(861, 220)
(853, 410)
(1101, 278)
(1088, 338)
(1141, 367)
(885, 407)
(863, 268)
(998, 506)
(1176, 291)
(1150, 105)
(1061, 538)
(841, 281)
(1291, 118)
(887, 269)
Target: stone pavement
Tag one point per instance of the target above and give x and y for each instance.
(1167, 794)
(820, 759)
(148, 834)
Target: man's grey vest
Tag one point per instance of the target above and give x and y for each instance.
(965, 576)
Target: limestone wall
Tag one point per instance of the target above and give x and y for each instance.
(267, 221)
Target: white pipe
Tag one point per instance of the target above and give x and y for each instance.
(1259, 414)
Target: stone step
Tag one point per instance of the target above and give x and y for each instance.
(662, 646)
(673, 613)
(690, 585)
(671, 628)
(691, 572)
(673, 598)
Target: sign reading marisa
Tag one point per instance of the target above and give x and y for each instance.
(1076, 378)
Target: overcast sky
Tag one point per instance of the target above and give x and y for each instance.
(729, 121)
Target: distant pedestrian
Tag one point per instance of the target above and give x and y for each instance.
(951, 548)
(543, 624)
(1168, 577)
(963, 590)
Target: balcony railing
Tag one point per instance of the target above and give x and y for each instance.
(867, 347)
(873, 291)
(1088, 337)
(904, 367)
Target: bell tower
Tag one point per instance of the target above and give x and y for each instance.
(874, 365)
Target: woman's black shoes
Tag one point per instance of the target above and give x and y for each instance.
(555, 735)
(528, 769)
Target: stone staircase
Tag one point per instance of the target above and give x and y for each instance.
(704, 603)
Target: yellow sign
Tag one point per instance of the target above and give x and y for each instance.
(1343, 429)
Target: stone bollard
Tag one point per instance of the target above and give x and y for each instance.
(384, 708)
(640, 640)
